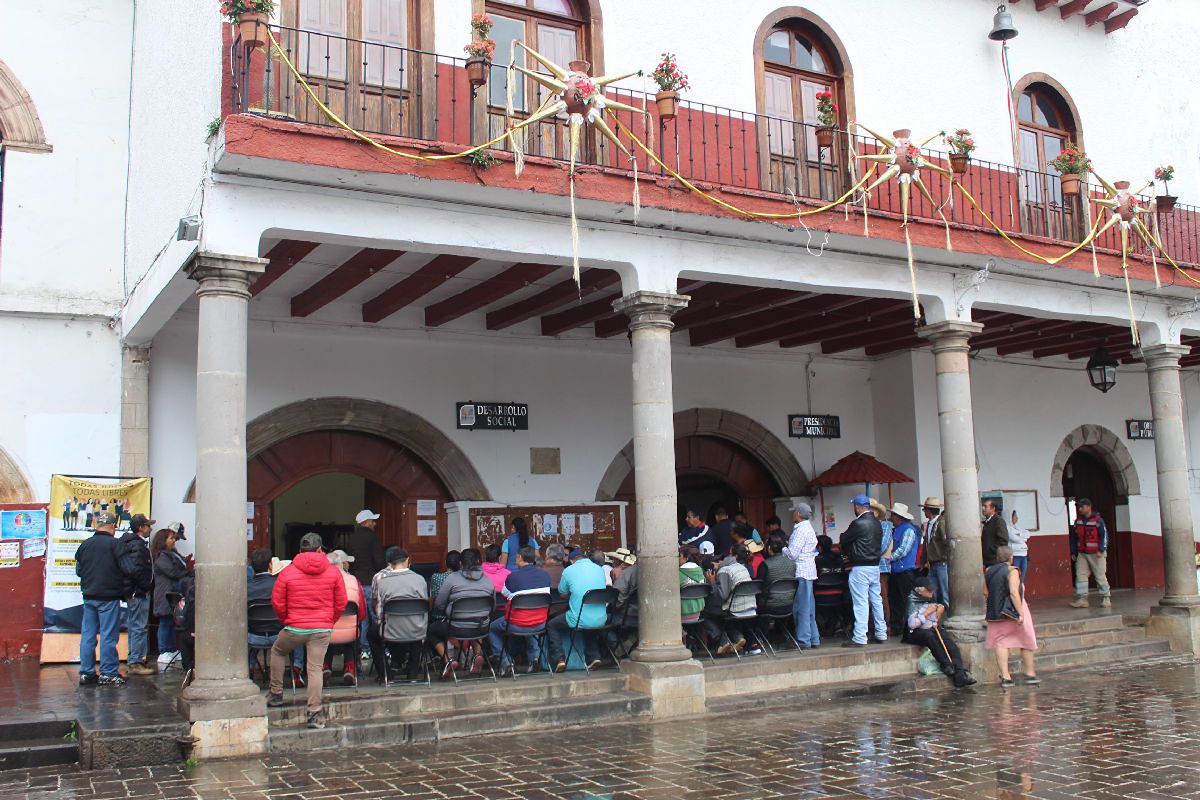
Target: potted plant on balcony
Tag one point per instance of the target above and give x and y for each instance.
(251, 18)
(670, 83)
(961, 144)
(827, 111)
(1072, 164)
(481, 51)
(1165, 201)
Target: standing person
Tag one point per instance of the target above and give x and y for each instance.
(395, 582)
(309, 597)
(1089, 551)
(1009, 623)
(885, 560)
(722, 532)
(903, 566)
(995, 532)
(937, 549)
(862, 544)
(363, 544)
(103, 582)
(169, 569)
(518, 537)
(741, 519)
(695, 532)
(137, 564)
(1018, 540)
(802, 550)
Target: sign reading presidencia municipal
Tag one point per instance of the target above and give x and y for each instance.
(493, 416)
(814, 426)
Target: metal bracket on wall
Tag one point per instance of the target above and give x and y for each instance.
(966, 283)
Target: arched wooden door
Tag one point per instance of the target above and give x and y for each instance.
(1088, 476)
(726, 462)
(396, 480)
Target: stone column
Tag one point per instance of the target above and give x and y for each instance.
(960, 478)
(135, 412)
(227, 711)
(661, 666)
(1178, 615)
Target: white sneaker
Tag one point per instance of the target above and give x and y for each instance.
(167, 658)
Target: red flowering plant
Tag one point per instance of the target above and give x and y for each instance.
(1072, 161)
(667, 75)
(1166, 174)
(585, 90)
(913, 152)
(481, 46)
(234, 10)
(826, 109)
(960, 142)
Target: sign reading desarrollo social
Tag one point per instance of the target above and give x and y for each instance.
(493, 416)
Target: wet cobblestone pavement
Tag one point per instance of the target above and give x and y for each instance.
(1098, 734)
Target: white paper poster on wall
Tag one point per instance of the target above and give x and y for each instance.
(33, 548)
(10, 553)
(427, 508)
(568, 525)
(427, 527)
(550, 524)
(586, 524)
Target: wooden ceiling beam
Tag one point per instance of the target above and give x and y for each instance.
(577, 316)
(342, 279)
(1100, 14)
(508, 281)
(713, 301)
(415, 286)
(1072, 8)
(862, 338)
(812, 320)
(557, 296)
(903, 343)
(282, 257)
(711, 333)
(1081, 347)
(1078, 333)
(1042, 5)
(1019, 332)
(1119, 21)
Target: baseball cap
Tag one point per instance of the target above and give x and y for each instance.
(860, 500)
(340, 557)
(311, 541)
(707, 549)
(364, 515)
(178, 530)
(105, 518)
(138, 520)
(804, 508)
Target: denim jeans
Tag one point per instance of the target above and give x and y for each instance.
(804, 614)
(137, 619)
(864, 592)
(166, 634)
(368, 617)
(500, 628)
(100, 618)
(1021, 563)
(939, 573)
(261, 641)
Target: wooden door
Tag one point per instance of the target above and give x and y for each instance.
(1092, 479)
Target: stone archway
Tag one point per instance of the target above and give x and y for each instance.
(14, 486)
(1104, 445)
(731, 426)
(20, 126)
(434, 448)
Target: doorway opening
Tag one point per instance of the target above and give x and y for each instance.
(1088, 476)
(705, 494)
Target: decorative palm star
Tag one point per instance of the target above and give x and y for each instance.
(1125, 209)
(903, 160)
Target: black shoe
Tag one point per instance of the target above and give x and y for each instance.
(88, 679)
(962, 679)
(1032, 680)
(873, 640)
(561, 666)
(274, 700)
(1006, 683)
(852, 643)
(316, 720)
(110, 680)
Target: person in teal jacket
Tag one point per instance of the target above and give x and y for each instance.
(579, 578)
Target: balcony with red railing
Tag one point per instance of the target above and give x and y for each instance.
(423, 101)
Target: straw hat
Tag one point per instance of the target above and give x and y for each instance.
(901, 510)
(277, 565)
(622, 554)
(933, 502)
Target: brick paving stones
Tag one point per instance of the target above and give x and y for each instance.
(1131, 733)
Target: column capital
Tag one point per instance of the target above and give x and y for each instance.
(225, 274)
(950, 334)
(650, 309)
(1164, 356)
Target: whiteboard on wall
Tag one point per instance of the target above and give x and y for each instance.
(1023, 501)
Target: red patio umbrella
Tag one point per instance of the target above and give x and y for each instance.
(858, 467)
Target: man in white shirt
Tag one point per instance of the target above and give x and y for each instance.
(802, 549)
(1018, 540)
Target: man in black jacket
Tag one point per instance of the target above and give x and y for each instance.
(862, 545)
(364, 545)
(995, 532)
(136, 563)
(103, 584)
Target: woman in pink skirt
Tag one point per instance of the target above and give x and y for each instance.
(1010, 625)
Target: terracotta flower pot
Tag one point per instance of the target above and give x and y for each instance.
(959, 163)
(668, 103)
(1165, 203)
(1070, 183)
(825, 135)
(252, 29)
(478, 68)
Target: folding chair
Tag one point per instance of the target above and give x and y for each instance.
(595, 597)
(693, 626)
(348, 638)
(746, 589)
(261, 621)
(173, 599)
(526, 602)
(829, 597)
(399, 607)
(777, 600)
(470, 620)
(623, 625)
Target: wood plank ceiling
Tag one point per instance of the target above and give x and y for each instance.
(441, 289)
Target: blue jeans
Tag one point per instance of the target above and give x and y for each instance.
(368, 617)
(939, 573)
(500, 628)
(864, 590)
(100, 618)
(137, 620)
(804, 613)
(166, 634)
(1021, 563)
(261, 642)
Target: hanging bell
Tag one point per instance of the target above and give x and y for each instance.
(1003, 28)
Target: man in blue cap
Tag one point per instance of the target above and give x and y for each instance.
(862, 545)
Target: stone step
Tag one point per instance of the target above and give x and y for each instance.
(790, 669)
(1080, 641)
(1052, 661)
(1081, 624)
(38, 753)
(409, 700)
(569, 712)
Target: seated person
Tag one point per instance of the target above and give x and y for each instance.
(469, 581)
(776, 567)
(398, 637)
(185, 625)
(528, 578)
(453, 562)
(924, 630)
(625, 613)
(581, 577)
(722, 614)
(497, 573)
(555, 563)
(689, 574)
(345, 636)
(258, 592)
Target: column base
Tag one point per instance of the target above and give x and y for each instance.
(980, 661)
(228, 716)
(966, 628)
(676, 689)
(1178, 624)
(661, 654)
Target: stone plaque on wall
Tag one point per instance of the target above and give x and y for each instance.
(545, 461)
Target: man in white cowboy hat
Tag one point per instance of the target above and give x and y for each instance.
(903, 563)
(625, 581)
(935, 549)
